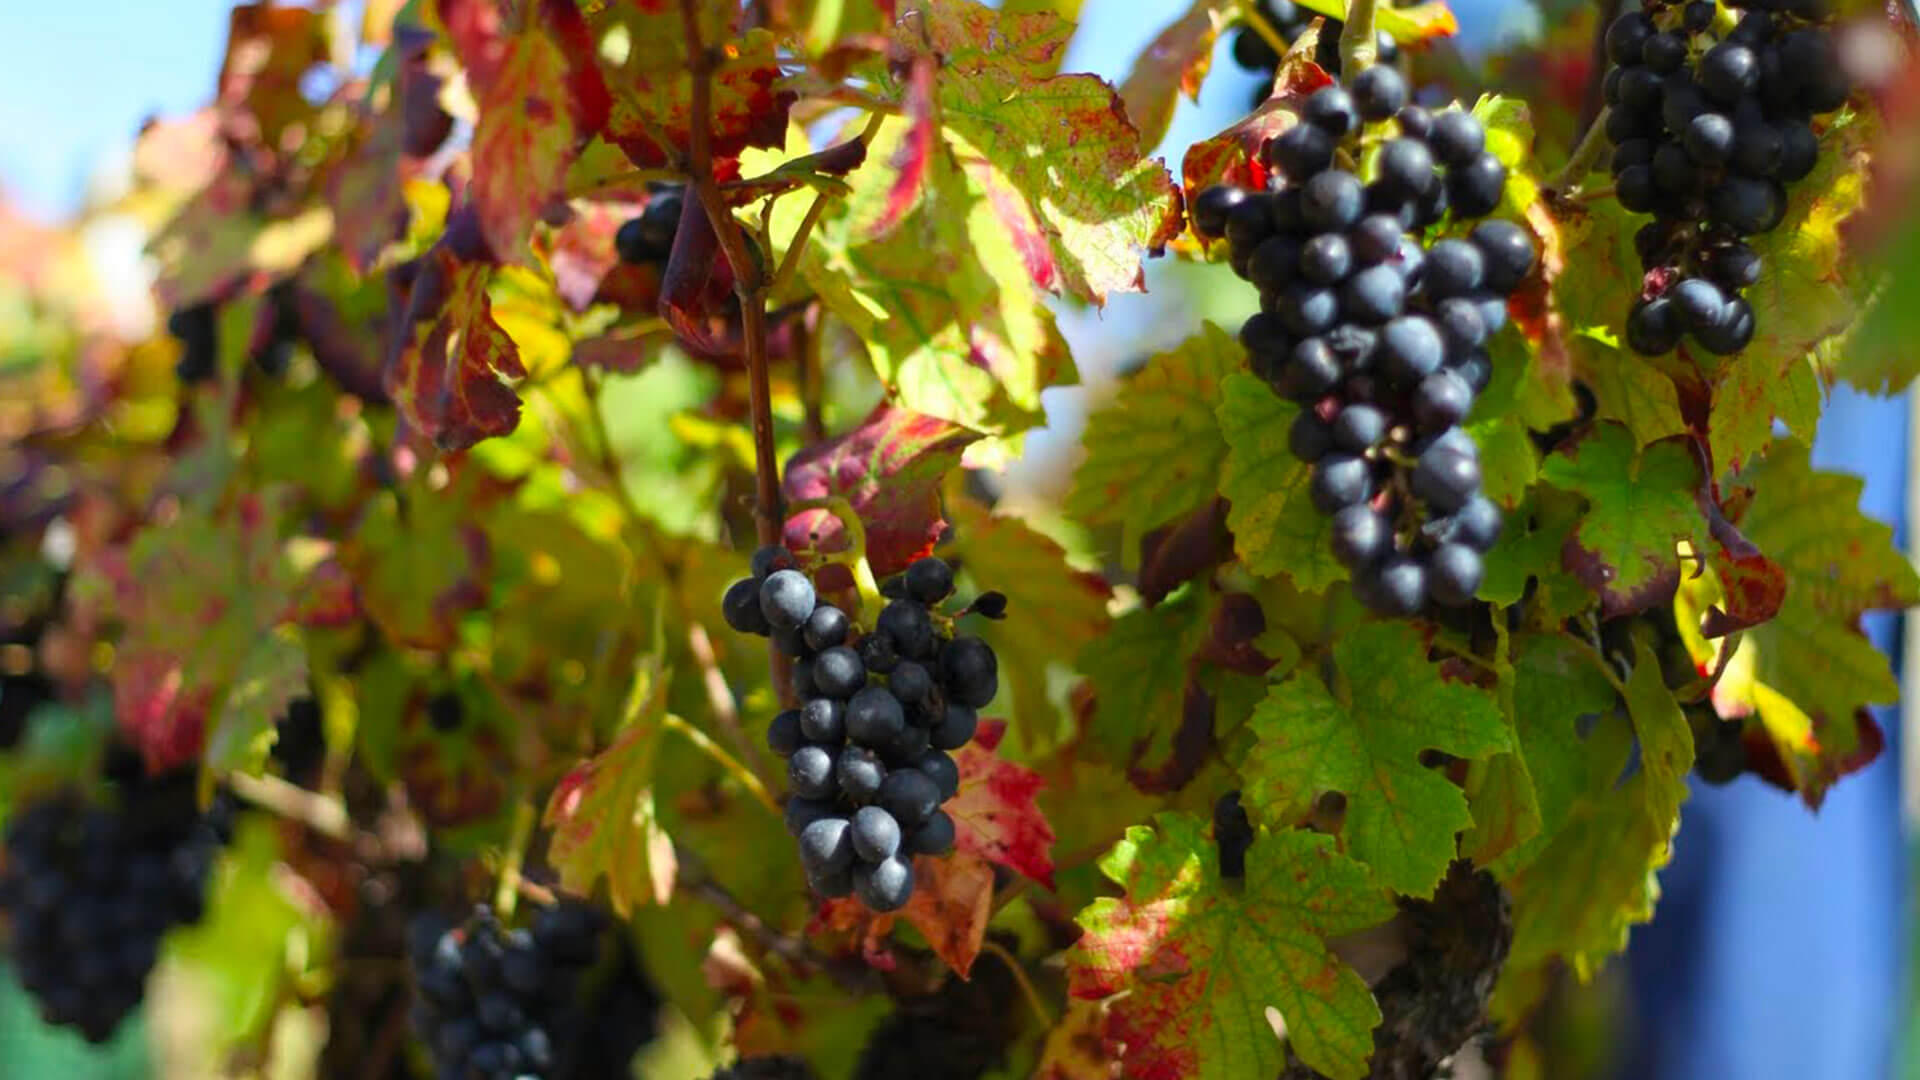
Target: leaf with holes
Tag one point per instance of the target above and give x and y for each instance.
(1364, 737)
(1206, 968)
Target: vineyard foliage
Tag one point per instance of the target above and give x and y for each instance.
(491, 338)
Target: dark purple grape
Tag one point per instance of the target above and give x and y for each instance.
(1405, 168)
(1461, 326)
(783, 733)
(1396, 585)
(1475, 189)
(860, 774)
(874, 717)
(934, 837)
(1340, 480)
(1414, 121)
(1326, 258)
(970, 672)
(1379, 92)
(1331, 109)
(1210, 208)
(1445, 478)
(929, 580)
(1441, 400)
(1411, 349)
(826, 846)
(1477, 524)
(741, 608)
(1332, 200)
(786, 599)
(1457, 137)
(1305, 310)
(940, 768)
(1310, 372)
(810, 772)
(823, 720)
(884, 887)
(876, 835)
(838, 672)
(910, 796)
(1733, 333)
(1454, 268)
(1309, 438)
(1302, 151)
(1275, 263)
(1358, 428)
(1360, 535)
(1627, 36)
(1453, 574)
(1709, 139)
(826, 627)
(1728, 72)
(1653, 327)
(1374, 295)
(955, 728)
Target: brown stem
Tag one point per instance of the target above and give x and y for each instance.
(748, 281)
(812, 378)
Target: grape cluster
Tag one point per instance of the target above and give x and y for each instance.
(1254, 53)
(1709, 123)
(197, 329)
(1379, 335)
(90, 889)
(648, 238)
(867, 750)
(493, 1001)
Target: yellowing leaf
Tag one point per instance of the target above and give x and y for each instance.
(523, 144)
(1276, 528)
(603, 816)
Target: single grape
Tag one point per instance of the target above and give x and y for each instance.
(1249, 223)
(970, 671)
(1625, 122)
(1734, 266)
(1360, 535)
(1305, 310)
(1266, 341)
(741, 608)
(810, 772)
(1475, 189)
(1639, 89)
(1758, 148)
(1210, 208)
(1309, 437)
(1674, 170)
(1630, 153)
(1275, 263)
(934, 837)
(1326, 258)
(1508, 252)
(1635, 189)
(910, 796)
(1734, 332)
(874, 717)
(1375, 238)
(1411, 349)
(911, 629)
(955, 728)
(1477, 524)
(911, 683)
(1310, 372)
(1799, 151)
(1379, 92)
(838, 672)
(827, 846)
(1445, 478)
(1453, 574)
(860, 774)
(1454, 267)
(826, 627)
(1396, 585)
(940, 768)
(1340, 480)
(1708, 139)
(783, 733)
(1441, 400)
(786, 599)
(1374, 295)
(658, 221)
(1457, 138)
(929, 580)
(1699, 303)
(1653, 327)
(1626, 37)
(1414, 121)
(875, 835)
(1302, 151)
(1332, 200)
(800, 813)
(823, 720)
(1461, 327)
(1331, 109)
(886, 886)
(1747, 205)
(1405, 168)
(1358, 428)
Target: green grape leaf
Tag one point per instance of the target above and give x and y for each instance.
(1756, 392)
(1639, 505)
(1138, 672)
(1173, 64)
(1508, 462)
(1365, 740)
(1812, 668)
(1594, 879)
(1552, 685)
(1055, 611)
(1633, 392)
(1205, 965)
(603, 816)
(941, 300)
(1276, 528)
(996, 98)
(271, 675)
(1533, 541)
(1155, 450)
(197, 598)
(417, 571)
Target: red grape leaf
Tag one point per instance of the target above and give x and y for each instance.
(890, 469)
(1233, 156)
(653, 95)
(1207, 966)
(951, 902)
(1174, 63)
(270, 50)
(996, 813)
(605, 823)
(200, 599)
(367, 192)
(475, 29)
(523, 143)
(912, 157)
(446, 377)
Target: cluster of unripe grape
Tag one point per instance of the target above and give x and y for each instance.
(867, 750)
(493, 1002)
(1254, 52)
(89, 889)
(1378, 335)
(1709, 120)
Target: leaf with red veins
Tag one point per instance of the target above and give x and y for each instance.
(652, 95)
(912, 157)
(523, 144)
(1198, 970)
(1753, 586)
(889, 469)
(1173, 64)
(996, 813)
(199, 599)
(446, 380)
(1234, 155)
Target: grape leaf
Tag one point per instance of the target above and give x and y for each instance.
(1812, 655)
(1076, 1048)
(1234, 156)
(1154, 452)
(1206, 965)
(1174, 63)
(889, 469)
(270, 676)
(603, 817)
(951, 903)
(1757, 391)
(1409, 25)
(941, 301)
(418, 571)
(1137, 670)
(199, 599)
(653, 93)
(446, 378)
(1594, 878)
(270, 50)
(996, 813)
(1055, 609)
(1365, 740)
(997, 98)
(1639, 505)
(524, 142)
(1276, 528)
(1554, 685)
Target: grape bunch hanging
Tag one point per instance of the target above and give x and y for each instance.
(647, 239)
(867, 751)
(1709, 120)
(89, 889)
(1378, 335)
(494, 1002)
(1254, 53)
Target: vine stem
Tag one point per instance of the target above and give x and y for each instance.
(705, 744)
(748, 281)
(1600, 661)
(1251, 16)
(323, 814)
(790, 262)
(1359, 45)
(1585, 154)
(1020, 977)
(506, 891)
